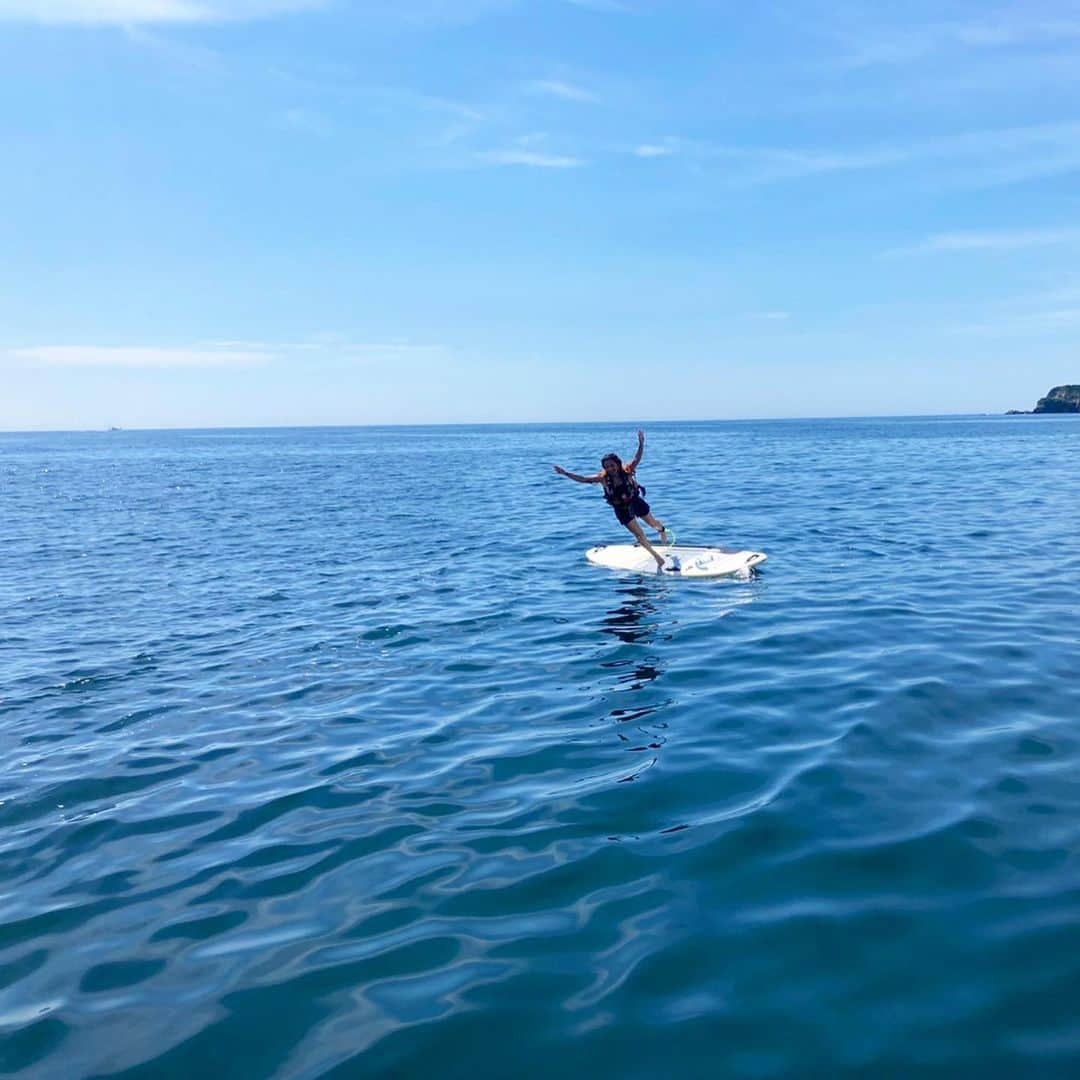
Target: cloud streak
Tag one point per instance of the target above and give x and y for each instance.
(966, 159)
(135, 356)
(656, 150)
(613, 6)
(530, 158)
(895, 46)
(135, 12)
(990, 240)
(566, 91)
(216, 354)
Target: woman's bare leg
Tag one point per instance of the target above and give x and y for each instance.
(637, 530)
(651, 521)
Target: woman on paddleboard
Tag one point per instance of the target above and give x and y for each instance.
(624, 494)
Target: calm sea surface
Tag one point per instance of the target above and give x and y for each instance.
(325, 753)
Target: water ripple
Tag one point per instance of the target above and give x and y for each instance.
(322, 765)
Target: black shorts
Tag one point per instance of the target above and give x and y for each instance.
(636, 507)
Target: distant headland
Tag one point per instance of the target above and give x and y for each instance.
(1062, 399)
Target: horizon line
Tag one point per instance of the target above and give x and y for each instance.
(521, 423)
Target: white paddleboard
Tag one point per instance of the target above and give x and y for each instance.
(679, 561)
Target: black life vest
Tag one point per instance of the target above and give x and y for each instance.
(620, 490)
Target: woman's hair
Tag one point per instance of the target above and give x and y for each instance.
(611, 457)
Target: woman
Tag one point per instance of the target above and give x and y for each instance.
(623, 492)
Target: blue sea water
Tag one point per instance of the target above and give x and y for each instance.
(325, 753)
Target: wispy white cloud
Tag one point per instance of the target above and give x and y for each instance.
(656, 150)
(218, 354)
(966, 159)
(602, 5)
(989, 240)
(396, 97)
(307, 122)
(426, 13)
(342, 348)
(879, 45)
(1063, 292)
(990, 83)
(1060, 317)
(528, 150)
(134, 12)
(533, 158)
(135, 356)
(771, 316)
(329, 346)
(566, 91)
(1003, 30)
(438, 122)
(1049, 323)
(996, 57)
(1046, 313)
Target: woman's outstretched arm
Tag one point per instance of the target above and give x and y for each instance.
(640, 450)
(580, 479)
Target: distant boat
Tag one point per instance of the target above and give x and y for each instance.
(116, 429)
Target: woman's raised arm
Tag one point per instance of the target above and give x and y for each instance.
(580, 479)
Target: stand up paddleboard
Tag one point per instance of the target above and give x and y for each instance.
(697, 562)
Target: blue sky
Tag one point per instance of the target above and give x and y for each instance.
(246, 212)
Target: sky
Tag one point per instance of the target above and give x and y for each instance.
(278, 212)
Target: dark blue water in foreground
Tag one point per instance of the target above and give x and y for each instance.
(325, 752)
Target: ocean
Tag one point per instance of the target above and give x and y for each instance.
(326, 753)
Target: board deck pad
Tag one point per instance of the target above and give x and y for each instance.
(679, 560)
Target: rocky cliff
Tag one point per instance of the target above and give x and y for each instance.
(1062, 399)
